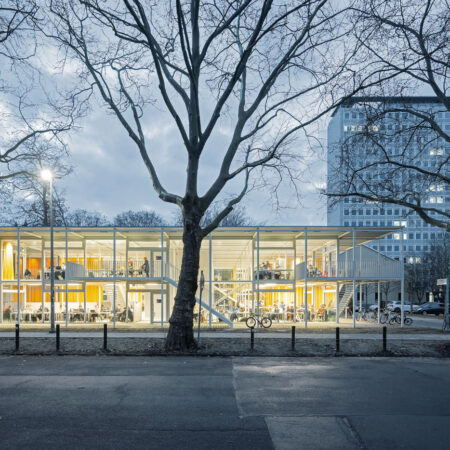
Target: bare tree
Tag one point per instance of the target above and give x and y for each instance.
(37, 108)
(423, 272)
(264, 70)
(28, 195)
(409, 39)
(84, 218)
(138, 219)
(235, 218)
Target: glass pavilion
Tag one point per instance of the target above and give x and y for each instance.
(130, 275)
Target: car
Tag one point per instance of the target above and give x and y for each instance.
(397, 307)
(430, 308)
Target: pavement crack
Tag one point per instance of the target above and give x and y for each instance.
(345, 421)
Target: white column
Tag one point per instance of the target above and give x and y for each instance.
(295, 281)
(354, 279)
(337, 276)
(337, 302)
(65, 279)
(18, 275)
(162, 277)
(257, 274)
(402, 285)
(114, 277)
(379, 276)
(210, 279)
(305, 294)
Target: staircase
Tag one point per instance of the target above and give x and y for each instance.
(345, 295)
(172, 273)
(108, 289)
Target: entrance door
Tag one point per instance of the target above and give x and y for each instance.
(155, 307)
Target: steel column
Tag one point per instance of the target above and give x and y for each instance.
(305, 293)
(18, 275)
(354, 279)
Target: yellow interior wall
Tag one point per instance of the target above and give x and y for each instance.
(8, 261)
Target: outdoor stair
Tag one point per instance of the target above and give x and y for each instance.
(204, 305)
(345, 295)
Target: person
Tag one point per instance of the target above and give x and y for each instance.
(234, 315)
(130, 267)
(145, 267)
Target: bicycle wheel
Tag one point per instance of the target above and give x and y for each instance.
(392, 321)
(408, 321)
(266, 322)
(251, 322)
(383, 318)
(398, 319)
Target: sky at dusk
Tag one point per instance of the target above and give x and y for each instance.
(109, 175)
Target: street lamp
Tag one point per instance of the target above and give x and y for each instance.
(47, 176)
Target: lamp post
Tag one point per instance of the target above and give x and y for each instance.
(47, 175)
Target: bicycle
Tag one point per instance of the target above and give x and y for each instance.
(397, 318)
(264, 322)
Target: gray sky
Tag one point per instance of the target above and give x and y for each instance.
(109, 175)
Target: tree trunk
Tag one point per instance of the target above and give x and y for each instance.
(181, 333)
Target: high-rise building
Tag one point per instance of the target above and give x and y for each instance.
(353, 117)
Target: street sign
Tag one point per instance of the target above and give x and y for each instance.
(442, 282)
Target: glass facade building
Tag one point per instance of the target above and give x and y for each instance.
(349, 119)
(130, 275)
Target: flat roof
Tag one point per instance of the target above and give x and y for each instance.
(266, 233)
(388, 99)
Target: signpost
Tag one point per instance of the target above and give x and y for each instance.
(202, 285)
(446, 282)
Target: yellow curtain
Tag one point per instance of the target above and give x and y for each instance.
(8, 261)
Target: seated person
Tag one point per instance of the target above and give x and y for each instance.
(28, 274)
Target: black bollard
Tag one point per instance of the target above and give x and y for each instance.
(384, 338)
(338, 340)
(293, 337)
(252, 338)
(105, 336)
(17, 337)
(57, 337)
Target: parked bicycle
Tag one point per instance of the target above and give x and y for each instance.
(396, 318)
(264, 322)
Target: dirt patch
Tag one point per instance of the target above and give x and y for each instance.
(228, 347)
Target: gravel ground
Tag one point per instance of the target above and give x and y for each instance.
(228, 347)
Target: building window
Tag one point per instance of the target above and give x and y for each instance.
(417, 235)
(360, 223)
(389, 248)
(367, 212)
(375, 212)
(353, 212)
(346, 223)
(360, 212)
(411, 235)
(389, 211)
(345, 212)
(418, 248)
(396, 248)
(375, 223)
(382, 248)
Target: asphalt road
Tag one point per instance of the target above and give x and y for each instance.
(427, 322)
(257, 403)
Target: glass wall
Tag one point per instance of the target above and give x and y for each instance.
(266, 271)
